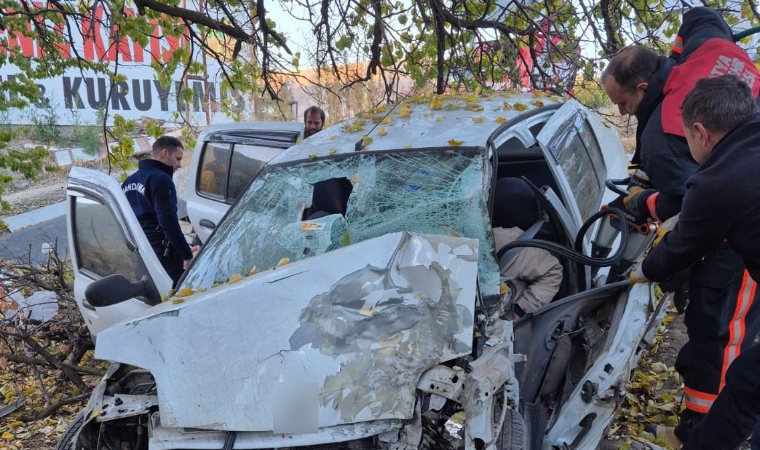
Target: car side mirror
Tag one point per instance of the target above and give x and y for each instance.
(115, 289)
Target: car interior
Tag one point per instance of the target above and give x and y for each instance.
(515, 159)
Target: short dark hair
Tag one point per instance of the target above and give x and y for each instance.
(168, 142)
(719, 104)
(630, 66)
(314, 110)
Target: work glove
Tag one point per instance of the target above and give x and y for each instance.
(637, 275)
(636, 202)
(665, 228)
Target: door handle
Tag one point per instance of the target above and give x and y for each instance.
(207, 223)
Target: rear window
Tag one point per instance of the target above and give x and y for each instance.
(227, 167)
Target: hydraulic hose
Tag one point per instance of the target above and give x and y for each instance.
(572, 254)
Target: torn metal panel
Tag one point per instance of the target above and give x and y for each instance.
(362, 323)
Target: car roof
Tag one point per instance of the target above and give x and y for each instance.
(253, 126)
(419, 122)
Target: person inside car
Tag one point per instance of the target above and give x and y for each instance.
(535, 273)
(214, 172)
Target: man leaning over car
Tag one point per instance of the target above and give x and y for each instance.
(722, 204)
(652, 88)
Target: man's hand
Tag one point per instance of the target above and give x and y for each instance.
(632, 199)
(665, 228)
(637, 275)
(185, 263)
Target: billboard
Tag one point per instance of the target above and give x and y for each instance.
(77, 95)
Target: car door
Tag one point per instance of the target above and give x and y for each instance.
(105, 238)
(572, 150)
(225, 160)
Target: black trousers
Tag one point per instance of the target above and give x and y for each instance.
(722, 321)
(172, 263)
(736, 411)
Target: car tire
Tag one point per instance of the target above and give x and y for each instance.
(512, 436)
(68, 438)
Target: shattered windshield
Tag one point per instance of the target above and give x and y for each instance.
(296, 211)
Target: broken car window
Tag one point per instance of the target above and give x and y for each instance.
(439, 191)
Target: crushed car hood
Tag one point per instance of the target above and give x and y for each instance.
(339, 338)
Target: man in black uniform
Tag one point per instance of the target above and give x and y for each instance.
(653, 88)
(722, 205)
(153, 197)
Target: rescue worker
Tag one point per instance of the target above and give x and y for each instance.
(722, 205)
(153, 197)
(736, 410)
(652, 88)
(314, 120)
(535, 273)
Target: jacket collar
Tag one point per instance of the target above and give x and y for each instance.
(148, 164)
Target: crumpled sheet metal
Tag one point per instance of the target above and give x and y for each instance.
(351, 331)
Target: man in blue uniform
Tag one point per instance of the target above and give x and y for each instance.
(721, 207)
(153, 197)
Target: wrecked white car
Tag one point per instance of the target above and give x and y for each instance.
(352, 297)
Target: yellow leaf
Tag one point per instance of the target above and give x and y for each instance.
(455, 143)
(519, 106)
(283, 262)
(17, 423)
(95, 413)
(478, 119)
(387, 119)
(507, 106)
(439, 119)
(313, 156)
(235, 278)
(178, 301)
(8, 436)
(554, 98)
(332, 150)
(437, 104)
(381, 131)
(472, 97)
(475, 107)
(501, 120)
(538, 103)
(405, 111)
(366, 140)
(253, 271)
(333, 137)
(164, 298)
(184, 292)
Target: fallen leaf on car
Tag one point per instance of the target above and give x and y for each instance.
(235, 278)
(478, 119)
(184, 292)
(455, 143)
(382, 131)
(501, 120)
(283, 262)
